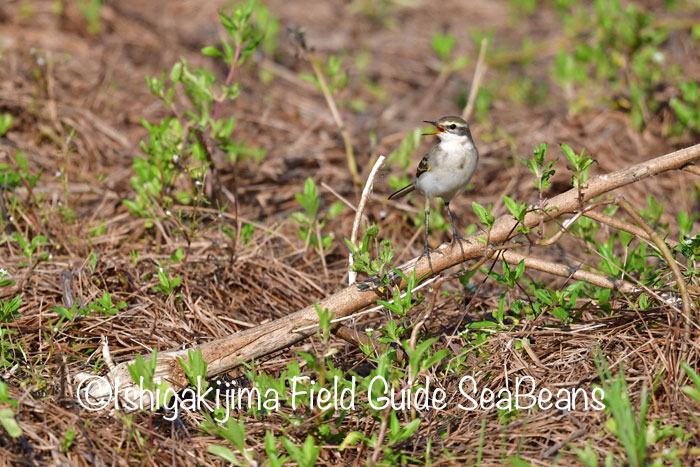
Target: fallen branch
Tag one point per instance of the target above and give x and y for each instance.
(226, 353)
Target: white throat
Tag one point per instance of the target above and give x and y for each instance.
(451, 138)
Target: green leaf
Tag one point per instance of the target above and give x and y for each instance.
(309, 199)
(5, 123)
(691, 374)
(176, 72)
(7, 420)
(211, 51)
(223, 452)
(570, 154)
(443, 44)
(514, 208)
(351, 439)
(335, 209)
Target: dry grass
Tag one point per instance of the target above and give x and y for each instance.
(55, 77)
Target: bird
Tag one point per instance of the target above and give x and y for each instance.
(445, 170)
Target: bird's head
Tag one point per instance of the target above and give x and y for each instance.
(451, 129)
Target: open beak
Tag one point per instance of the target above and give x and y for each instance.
(438, 129)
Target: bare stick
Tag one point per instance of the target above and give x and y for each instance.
(226, 353)
(568, 271)
(380, 437)
(352, 275)
(622, 225)
(479, 73)
(319, 239)
(693, 169)
(339, 196)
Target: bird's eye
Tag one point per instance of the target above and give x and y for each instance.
(453, 126)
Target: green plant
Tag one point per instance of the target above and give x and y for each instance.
(180, 148)
(8, 308)
(232, 431)
(518, 210)
(443, 45)
(7, 412)
(5, 123)
(105, 305)
(304, 456)
(362, 257)
(90, 10)
(629, 428)
(542, 171)
(579, 165)
(30, 247)
(11, 177)
(166, 284)
(402, 302)
(335, 78)
(484, 214)
(5, 282)
(310, 226)
(691, 391)
(195, 369)
(68, 439)
(687, 107)
(614, 47)
(143, 375)
(324, 324)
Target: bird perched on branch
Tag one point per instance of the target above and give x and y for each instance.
(445, 170)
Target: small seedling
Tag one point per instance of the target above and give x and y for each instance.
(7, 414)
(105, 305)
(362, 257)
(5, 123)
(29, 248)
(443, 45)
(166, 284)
(195, 369)
(232, 431)
(8, 308)
(309, 223)
(143, 373)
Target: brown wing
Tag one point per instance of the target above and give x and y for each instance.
(423, 166)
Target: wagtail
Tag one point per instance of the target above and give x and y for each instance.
(445, 170)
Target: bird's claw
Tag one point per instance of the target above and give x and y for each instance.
(457, 239)
(427, 252)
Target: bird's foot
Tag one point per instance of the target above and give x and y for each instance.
(457, 239)
(427, 252)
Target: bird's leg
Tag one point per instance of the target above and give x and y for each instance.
(456, 237)
(426, 250)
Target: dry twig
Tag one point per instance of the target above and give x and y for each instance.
(479, 72)
(352, 275)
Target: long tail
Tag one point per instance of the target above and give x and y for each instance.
(403, 191)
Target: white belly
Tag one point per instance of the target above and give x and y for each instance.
(457, 164)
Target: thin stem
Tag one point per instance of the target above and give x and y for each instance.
(349, 154)
(665, 252)
(479, 73)
(320, 250)
(229, 77)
